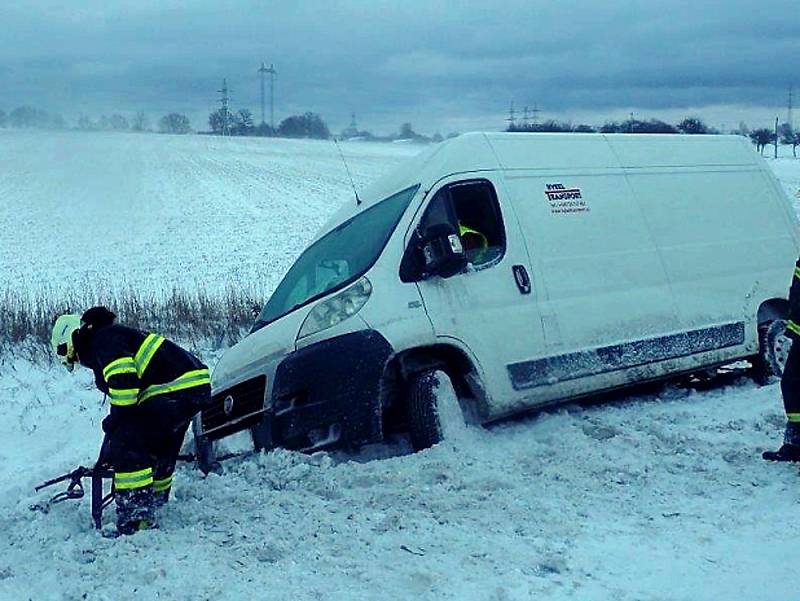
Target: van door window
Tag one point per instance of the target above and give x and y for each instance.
(471, 208)
(478, 219)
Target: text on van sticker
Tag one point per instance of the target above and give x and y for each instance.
(565, 200)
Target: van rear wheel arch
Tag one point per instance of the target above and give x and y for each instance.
(772, 309)
(766, 363)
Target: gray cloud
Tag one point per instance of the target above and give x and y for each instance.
(441, 65)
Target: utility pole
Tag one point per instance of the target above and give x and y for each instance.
(272, 73)
(535, 112)
(525, 119)
(776, 137)
(789, 119)
(224, 101)
(262, 71)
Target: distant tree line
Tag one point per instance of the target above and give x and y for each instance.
(690, 125)
(406, 133)
(761, 137)
(116, 122)
(172, 123)
(28, 117)
(240, 123)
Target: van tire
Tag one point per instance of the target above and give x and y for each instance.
(423, 414)
(773, 347)
(435, 411)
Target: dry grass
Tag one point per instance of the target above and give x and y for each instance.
(193, 317)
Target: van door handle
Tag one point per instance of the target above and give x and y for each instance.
(522, 279)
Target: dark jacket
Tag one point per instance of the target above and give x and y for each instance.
(132, 366)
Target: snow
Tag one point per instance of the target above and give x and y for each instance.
(112, 210)
(656, 495)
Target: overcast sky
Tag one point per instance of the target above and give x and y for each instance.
(443, 66)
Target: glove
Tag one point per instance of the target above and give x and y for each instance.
(108, 424)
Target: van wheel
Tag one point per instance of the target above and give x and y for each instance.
(434, 411)
(773, 349)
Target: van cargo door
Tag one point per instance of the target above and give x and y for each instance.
(602, 277)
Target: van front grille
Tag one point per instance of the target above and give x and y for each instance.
(232, 404)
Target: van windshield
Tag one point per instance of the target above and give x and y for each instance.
(338, 258)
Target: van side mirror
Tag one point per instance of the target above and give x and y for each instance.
(442, 251)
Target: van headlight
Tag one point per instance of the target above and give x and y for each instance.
(345, 304)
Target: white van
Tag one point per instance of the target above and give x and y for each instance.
(531, 268)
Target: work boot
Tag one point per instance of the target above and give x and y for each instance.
(134, 510)
(787, 452)
(790, 450)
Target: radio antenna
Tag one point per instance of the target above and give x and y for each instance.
(352, 183)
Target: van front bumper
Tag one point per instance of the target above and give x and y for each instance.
(324, 395)
(329, 393)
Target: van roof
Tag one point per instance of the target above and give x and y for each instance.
(475, 152)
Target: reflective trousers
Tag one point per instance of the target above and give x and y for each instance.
(144, 451)
(790, 388)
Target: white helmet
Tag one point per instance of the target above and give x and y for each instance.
(61, 339)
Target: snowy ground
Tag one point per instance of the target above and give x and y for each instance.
(658, 496)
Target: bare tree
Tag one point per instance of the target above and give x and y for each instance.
(761, 138)
(140, 122)
(692, 125)
(220, 121)
(3, 118)
(174, 123)
(307, 125)
(243, 123)
(118, 122)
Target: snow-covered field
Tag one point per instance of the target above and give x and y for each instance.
(662, 496)
(113, 210)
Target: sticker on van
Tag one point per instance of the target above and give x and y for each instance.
(565, 200)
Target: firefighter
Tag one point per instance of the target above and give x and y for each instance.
(790, 381)
(154, 387)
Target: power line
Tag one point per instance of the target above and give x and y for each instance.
(511, 117)
(535, 112)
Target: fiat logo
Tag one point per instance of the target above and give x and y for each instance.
(227, 405)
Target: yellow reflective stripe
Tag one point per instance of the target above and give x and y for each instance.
(162, 485)
(139, 479)
(146, 352)
(790, 325)
(190, 379)
(124, 396)
(793, 418)
(124, 365)
(797, 272)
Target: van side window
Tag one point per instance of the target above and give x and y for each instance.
(469, 208)
(478, 220)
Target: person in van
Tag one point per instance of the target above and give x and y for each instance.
(790, 381)
(476, 244)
